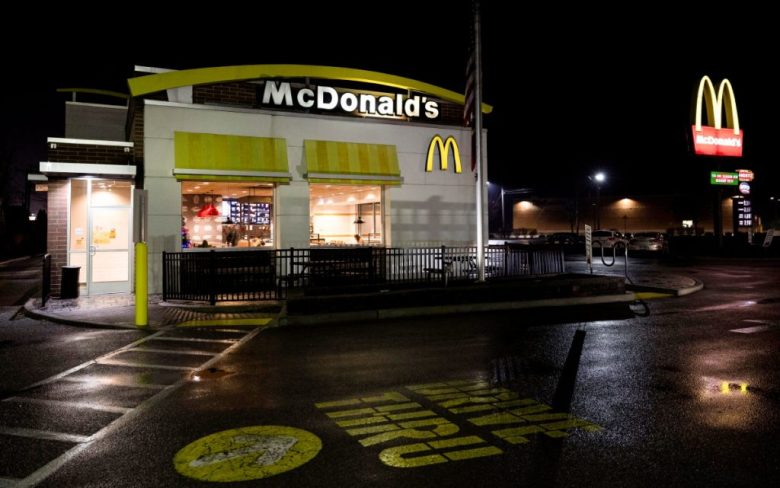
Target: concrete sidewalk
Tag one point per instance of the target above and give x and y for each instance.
(118, 310)
(639, 279)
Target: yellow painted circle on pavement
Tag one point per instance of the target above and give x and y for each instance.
(248, 453)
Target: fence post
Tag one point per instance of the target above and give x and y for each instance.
(212, 278)
(506, 259)
(165, 275)
(45, 279)
(444, 269)
(290, 269)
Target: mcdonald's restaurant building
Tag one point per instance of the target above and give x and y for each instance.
(264, 156)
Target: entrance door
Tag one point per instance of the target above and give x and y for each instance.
(100, 223)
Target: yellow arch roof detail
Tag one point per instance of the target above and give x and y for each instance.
(143, 85)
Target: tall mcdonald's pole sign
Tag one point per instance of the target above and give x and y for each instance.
(716, 140)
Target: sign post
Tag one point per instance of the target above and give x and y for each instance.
(589, 247)
(768, 239)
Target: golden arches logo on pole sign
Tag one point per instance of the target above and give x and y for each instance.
(444, 146)
(717, 140)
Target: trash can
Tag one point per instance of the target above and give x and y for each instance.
(69, 287)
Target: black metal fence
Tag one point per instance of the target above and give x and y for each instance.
(45, 279)
(221, 276)
(267, 275)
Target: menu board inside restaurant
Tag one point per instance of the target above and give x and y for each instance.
(250, 212)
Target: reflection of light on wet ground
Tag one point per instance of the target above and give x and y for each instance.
(87, 336)
(93, 382)
(727, 403)
(727, 387)
(720, 361)
(715, 388)
(727, 306)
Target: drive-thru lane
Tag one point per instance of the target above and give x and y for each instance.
(685, 396)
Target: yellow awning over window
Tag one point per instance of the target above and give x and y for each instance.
(351, 163)
(218, 157)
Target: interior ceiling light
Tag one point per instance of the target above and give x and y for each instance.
(208, 210)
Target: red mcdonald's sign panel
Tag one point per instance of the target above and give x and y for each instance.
(716, 140)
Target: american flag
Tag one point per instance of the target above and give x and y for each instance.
(468, 103)
(470, 94)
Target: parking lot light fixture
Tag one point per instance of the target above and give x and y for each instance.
(597, 179)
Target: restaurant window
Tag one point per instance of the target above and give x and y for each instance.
(345, 215)
(226, 214)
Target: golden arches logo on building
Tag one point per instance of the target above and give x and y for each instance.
(444, 146)
(715, 139)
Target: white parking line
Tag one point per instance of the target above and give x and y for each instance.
(195, 339)
(55, 464)
(60, 403)
(8, 482)
(116, 362)
(752, 330)
(169, 351)
(44, 434)
(100, 381)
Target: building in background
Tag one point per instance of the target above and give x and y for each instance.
(535, 214)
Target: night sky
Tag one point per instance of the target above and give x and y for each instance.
(574, 91)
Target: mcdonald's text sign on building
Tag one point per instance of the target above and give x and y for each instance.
(444, 147)
(717, 139)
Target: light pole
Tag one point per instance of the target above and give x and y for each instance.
(597, 179)
(503, 221)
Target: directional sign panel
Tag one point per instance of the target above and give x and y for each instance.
(720, 178)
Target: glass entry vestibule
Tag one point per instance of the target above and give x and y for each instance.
(100, 234)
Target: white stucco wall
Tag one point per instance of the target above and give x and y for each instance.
(427, 209)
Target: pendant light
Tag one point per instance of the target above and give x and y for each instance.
(208, 210)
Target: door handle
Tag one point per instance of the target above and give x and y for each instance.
(92, 250)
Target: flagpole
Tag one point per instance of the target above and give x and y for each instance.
(477, 147)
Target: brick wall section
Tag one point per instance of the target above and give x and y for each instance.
(57, 233)
(449, 113)
(136, 135)
(89, 153)
(240, 93)
(161, 95)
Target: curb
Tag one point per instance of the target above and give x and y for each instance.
(691, 289)
(239, 308)
(678, 292)
(37, 314)
(392, 313)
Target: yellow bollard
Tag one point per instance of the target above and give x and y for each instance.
(141, 292)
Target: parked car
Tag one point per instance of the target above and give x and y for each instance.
(605, 238)
(647, 241)
(563, 239)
